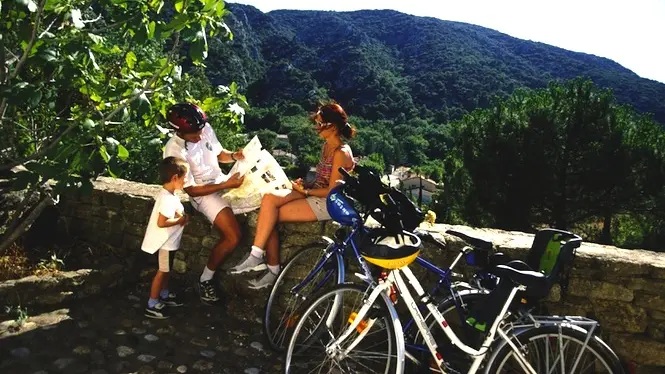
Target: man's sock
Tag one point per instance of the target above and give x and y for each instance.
(152, 302)
(274, 269)
(164, 293)
(257, 252)
(207, 274)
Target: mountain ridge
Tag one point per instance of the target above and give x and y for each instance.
(384, 64)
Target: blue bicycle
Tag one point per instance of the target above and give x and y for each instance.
(325, 263)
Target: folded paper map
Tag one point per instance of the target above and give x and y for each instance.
(262, 174)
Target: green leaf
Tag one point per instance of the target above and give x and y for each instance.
(76, 19)
(94, 96)
(177, 23)
(49, 54)
(123, 153)
(88, 124)
(23, 179)
(93, 60)
(156, 5)
(198, 51)
(131, 59)
(96, 38)
(34, 98)
(151, 29)
(35, 46)
(104, 153)
(30, 4)
(112, 142)
(45, 170)
(179, 6)
(142, 104)
(111, 173)
(210, 5)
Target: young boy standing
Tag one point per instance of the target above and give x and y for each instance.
(163, 234)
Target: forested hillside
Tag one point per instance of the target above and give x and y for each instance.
(390, 65)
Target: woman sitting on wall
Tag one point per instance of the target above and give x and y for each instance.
(307, 202)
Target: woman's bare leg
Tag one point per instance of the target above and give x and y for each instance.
(272, 245)
(268, 215)
(266, 235)
(293, 211)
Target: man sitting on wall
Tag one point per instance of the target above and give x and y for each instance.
(195, 142)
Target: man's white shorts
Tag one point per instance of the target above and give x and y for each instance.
(209, 205)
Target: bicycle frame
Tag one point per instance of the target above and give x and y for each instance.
(338, 249)
(395, 276)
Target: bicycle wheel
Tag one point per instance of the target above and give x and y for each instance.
(300, 270)
(454, 309)
(375, 346)
(555, 349)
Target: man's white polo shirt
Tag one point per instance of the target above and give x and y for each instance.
(201, 157)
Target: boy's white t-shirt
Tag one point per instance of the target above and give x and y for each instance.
(201, 157)
(167, 238)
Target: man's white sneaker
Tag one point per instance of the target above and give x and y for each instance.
(250, 263)
(267, 280)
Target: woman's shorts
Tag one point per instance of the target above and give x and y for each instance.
(318, 205)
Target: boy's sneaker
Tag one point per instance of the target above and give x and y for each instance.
(265, 281)
(250, 263)
(171, 300)
(207, 292)
(159, 311)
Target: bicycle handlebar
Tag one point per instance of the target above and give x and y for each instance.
(429, 238)
(344, 172)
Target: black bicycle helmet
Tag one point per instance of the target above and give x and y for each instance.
(186, 117)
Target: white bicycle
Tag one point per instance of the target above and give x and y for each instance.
(362, 332)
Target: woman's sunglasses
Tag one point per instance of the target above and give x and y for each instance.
(323, 126)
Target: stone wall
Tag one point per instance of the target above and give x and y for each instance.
(623, 289)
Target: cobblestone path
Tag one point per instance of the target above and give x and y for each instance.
(109, 334)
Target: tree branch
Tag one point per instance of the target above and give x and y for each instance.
(43, 150)
(48, 28)
(21, 208)
(33, 38)
(117, 24)
(105, 119)
(24, 57)
(11, 237)
(2, 60)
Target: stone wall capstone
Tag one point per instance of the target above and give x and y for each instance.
(623, 289)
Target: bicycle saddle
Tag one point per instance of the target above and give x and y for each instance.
(390, 252)
(517, 273)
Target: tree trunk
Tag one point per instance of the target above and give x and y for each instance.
(420, 192)
(23, 223)
(606, 234)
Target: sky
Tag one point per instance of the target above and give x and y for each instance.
(630, 32)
